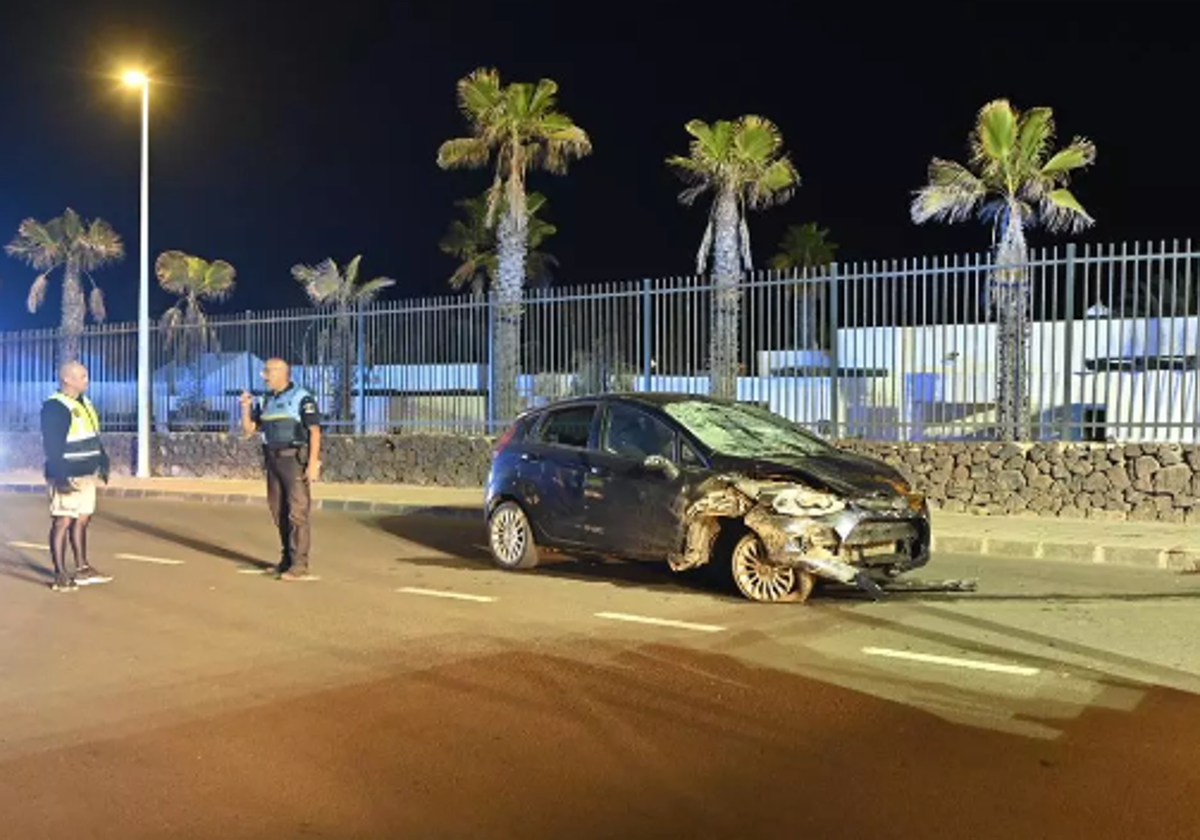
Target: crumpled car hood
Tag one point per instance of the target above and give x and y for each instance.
(840, 473)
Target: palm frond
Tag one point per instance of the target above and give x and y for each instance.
(36, 245)
(172, 270)
(775, 185)
(995, 133)
(479, 95)
(100, 246)
(757, 139)
(1035, 137)
(1061, 211)
(542, 98)
(705, 249)
(463, 153)
(96, 304)
(466, 273)
(368, 291)
(744, 241)
(1079, 154)
(37, 292)
(219, 279)
(952, 194)
(351, 271)
(322, 282)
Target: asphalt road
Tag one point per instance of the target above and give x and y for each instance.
(414, 691)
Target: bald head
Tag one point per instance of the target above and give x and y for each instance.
(277, 373)
(73, 379)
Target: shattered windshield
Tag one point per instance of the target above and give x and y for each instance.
(744, 431)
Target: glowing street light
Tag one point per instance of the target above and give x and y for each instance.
(136, 78)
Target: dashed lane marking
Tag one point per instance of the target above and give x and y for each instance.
(661, 622)
(141, 558)
(953, 662)
(438, 593)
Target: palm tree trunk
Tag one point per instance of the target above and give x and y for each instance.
(727, 299)
(1011, 295)
(74, 310)
(510, 283)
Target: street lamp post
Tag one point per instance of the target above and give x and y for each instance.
(135, 78)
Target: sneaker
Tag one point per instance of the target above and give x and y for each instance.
(292, 576)
(69, 586)
(88, 575)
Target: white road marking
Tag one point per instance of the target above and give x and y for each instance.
(661, 622)
(256, 571)
(438, 593)
(34, 546)
(972, 664)
(140, 558)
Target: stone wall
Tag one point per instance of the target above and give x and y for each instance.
(444, 460)
(1145, 482)
(1142, 482)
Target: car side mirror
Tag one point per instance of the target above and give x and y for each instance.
(657, 463)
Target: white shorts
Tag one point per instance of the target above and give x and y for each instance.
(82, 502)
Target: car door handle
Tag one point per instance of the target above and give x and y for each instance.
(600, 471)
(530, 456)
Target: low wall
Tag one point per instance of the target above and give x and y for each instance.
(444, 460)
(1145, 482)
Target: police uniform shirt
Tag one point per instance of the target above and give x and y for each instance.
(284, 418)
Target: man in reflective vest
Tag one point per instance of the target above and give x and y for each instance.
(290, 425)
(75, 458)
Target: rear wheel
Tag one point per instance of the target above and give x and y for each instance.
(510, 538)
(758, 579)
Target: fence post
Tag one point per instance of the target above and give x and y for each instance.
(360, 424)
(834, 362)
(1069, 344)
(647, 334)
(491, 363)
(249, 356)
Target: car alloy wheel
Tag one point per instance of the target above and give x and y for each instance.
(511, 538)
(760, 580)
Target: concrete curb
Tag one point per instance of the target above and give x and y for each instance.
(1170, 559)
(1149, 557)
(348, 505)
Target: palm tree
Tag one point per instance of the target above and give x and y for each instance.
(473, 243)
(516, 128)
(185, 325)
(79, 247)
(329, 288)
(744, 165)
(1014, 180)
(806, 248)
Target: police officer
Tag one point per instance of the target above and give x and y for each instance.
(288, 420)
(75, 459)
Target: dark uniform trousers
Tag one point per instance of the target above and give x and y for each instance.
(290, 500)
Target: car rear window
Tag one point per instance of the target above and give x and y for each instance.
(568, 427)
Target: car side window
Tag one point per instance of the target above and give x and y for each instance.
(688, 456)
(568, 427)
(634, 434)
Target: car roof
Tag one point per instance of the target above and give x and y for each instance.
(653, 399)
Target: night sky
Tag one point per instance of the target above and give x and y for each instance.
(289, 132)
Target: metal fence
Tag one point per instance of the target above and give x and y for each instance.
(891, 350)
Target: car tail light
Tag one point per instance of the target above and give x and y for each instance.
(505, 439)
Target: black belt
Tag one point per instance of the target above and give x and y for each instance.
(283, 450)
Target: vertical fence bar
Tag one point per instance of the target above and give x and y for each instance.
(1069, 344)
(834, 355)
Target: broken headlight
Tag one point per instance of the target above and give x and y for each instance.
(800, 501)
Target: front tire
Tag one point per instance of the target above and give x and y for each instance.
(757, 579)
(510, 538)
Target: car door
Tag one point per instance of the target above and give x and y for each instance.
(634, 510)
(554, 459)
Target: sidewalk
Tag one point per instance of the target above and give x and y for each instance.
(1141, 544)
